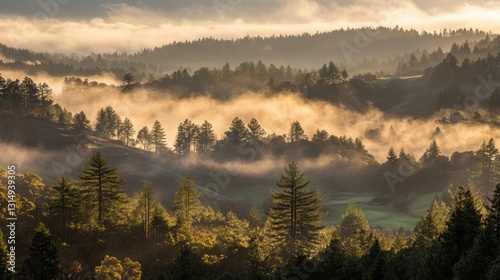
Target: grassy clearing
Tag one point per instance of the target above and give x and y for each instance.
(378, 215)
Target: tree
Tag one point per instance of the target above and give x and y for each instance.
(146, 207)
(355, 231)
(186, 266)
(186, 137)
(110, 268)
(157, 136)
(431, 226)
(486, 156)
(30, 95)
(187, 202)
(131, 270)
(80, 123)
(45, 94)
(103, 185)
(296, 132)
(391, 155)
(462, 228)
(431, 154)
(237, 132)
(42, 262)
(107, 122)
(334, 262)
(144, 138)
(476, 262)
(63, 202)
(235, 233)
(295, 213)
(205, 137)
(255, 131)
(128, 82)
(321, 136)
(126, 131)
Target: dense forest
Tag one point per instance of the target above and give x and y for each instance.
(281, 157)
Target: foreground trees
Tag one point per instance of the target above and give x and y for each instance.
(295, 215)
(42, 262)
(101, 184)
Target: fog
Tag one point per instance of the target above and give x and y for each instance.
(276, 112)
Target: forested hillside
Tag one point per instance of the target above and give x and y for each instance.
(317, 156)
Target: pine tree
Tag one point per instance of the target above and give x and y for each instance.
(296, 132)
(256, 132)
(102, 185)
(186, 137)
(42, 262)
(493, 217)
(80, 124)
(237, 132)
(107, 122)
(355, 231)
(63, 202)
(486, 155)
(295, 213)
(186, 265)
(476, 262)
(144, 138)
(157, 136)
(431, 154)
(321, 136)
(187, 203)
(430, 227)
(205, 137)
(146, 207)
(462, 228)
(334, 262)
(391, 155)
(126, 131)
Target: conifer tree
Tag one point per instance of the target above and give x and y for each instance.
(42, 262)
(205, 137)
(157, 136)
(462, 228)
(391, 155)
(256, 132)
(63, 202)
(295, 213)
(144, 138)
(80, 123)
(187, 203)
(186, 137)
(296, 132)
(103, 186)
(355, 231)
(126, 131)
(237, 132)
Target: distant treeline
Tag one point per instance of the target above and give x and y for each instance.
(300, 51)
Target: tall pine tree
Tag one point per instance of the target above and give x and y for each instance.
(295, 213)
(103, 186)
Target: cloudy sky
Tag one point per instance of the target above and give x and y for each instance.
(84, 26)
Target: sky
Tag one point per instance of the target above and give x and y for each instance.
(82, 27)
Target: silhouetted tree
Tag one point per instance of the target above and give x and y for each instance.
(157, 136)
(42, 262)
